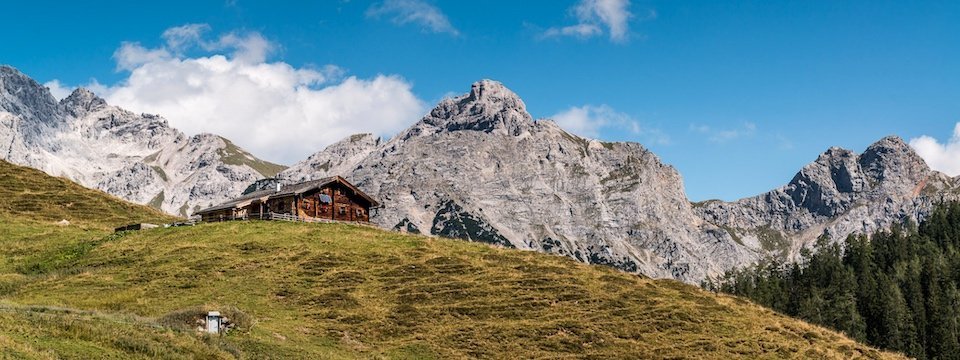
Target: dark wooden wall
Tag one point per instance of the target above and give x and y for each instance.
(346, 205)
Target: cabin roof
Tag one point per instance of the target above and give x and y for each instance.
(286, 191)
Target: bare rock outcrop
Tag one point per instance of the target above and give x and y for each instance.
(839, 194)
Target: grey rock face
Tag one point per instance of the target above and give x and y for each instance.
(338, 158)
(22, 96)
(478, 167)
(839, 194)
(136, 157)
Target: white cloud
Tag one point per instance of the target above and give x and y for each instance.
(941, 157)
(277, 111)
(180, 37)
(595, 15)
(719, 136)
(57, 89)
(130, 55)
(578, 30)
(589, 121)
(249, 48)
(402, 12)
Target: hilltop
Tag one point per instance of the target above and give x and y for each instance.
(340, 291)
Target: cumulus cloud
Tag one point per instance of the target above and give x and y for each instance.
(276, 111)
(589, 121)
(593, 16)
(419, 12)
(943, 157)
(250, 47)
(57, 89)
(131, 55)
(719, 136)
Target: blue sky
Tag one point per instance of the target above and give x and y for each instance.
(737, 96)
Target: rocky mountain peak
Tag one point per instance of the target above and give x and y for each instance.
(488, 107)
(339, 158)
(891, 142)
(82, 101)
(21, 95)
(491, 91)
(892, 159)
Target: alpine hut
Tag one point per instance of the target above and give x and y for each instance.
(331, 198)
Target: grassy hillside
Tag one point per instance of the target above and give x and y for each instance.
(32, 205)
(30, 195)
(347, 291)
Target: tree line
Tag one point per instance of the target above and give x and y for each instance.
(896, 289)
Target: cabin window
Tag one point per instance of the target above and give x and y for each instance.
(359, 212)
(324, 198)
(343, 210)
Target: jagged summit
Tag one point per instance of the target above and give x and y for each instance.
(479, 168)
(891, 142)
(488, 107)
(892, 160)
(891, 146)
(487, 90)
(82, 101)
(888, 165)
(838, 194)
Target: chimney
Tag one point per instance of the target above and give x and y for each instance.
(278, 186)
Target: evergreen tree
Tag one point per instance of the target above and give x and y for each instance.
(897, 289)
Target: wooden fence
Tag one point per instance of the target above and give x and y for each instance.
(272, 216)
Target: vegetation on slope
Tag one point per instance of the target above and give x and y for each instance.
(348, 291)
(54, 333)
(897, 290)
(34, 206)
(33, 196)
(234, 155)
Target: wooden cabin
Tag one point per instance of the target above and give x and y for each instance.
(331, 198)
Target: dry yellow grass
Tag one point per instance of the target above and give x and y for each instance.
(344, 291)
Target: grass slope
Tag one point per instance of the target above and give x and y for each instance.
(29, 195)
(234, 155)
(347, 291)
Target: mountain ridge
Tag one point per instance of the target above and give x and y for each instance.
(136, 157)
(696, 240)
(838, 194)
(532, 186)
(479, 167)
